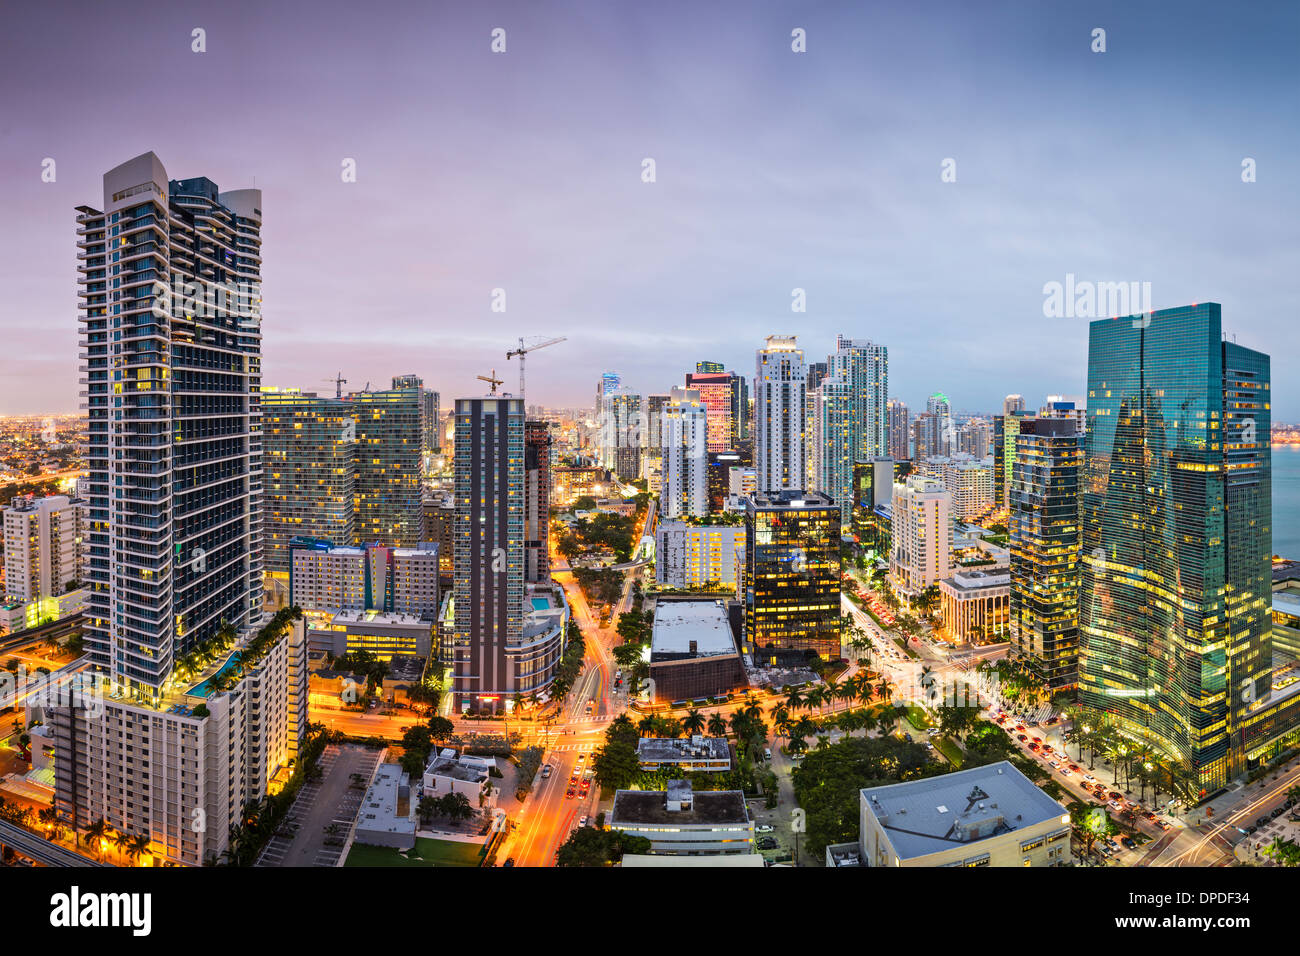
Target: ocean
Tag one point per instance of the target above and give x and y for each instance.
(1286, 501)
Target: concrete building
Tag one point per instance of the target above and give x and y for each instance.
(969, 482)
(537, 501)
(329, 579)
(986, 816)
(693, 651)
(387, 815)
(195, 753)
(449, 772)
(900, 430)
(622, 432)
(780, 408)
(697, 752)
(309, 453)
(974, 606)
(383, 634)
(44, 546)
(440, 528)
(685, 488)
(680, 822)
(921, 535)
(691, 555)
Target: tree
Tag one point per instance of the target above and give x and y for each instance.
(616, 765)
(440, 728)
(694, 721)
(589, 846)
(717, 725)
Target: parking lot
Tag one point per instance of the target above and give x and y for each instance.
(333, 800)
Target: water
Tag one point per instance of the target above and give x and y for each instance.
(1286, 501)
(204, 689)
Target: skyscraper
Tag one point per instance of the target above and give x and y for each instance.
(1013, 403)
(683, 443)
(174, 443)
(939, 406)
(489, 575)
(622, 432)
(1006, 430)
(780, 383)
(920, 535)
(390, 441)
(716, 391)
(792, 576)
(309, 447)
(537, 500)
(1044, 527)
(900, 432)
(865, 366)
(171, 333)
(833, 438)
(1177, 516)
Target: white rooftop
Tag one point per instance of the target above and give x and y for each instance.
(677, 623)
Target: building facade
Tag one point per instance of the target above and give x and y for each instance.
(683, 427)
(309, 453)
(691, 555)
(792, 576)
(1043, 523)
(780, 407)
(921, 535)
(44, 546)
(538, 444)
(1177, 514)
(390, 444)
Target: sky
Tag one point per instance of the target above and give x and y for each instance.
(774, 170)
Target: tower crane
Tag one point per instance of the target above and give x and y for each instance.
(339, 381)
(524, 349)
(492, 380)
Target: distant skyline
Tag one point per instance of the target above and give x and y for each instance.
(775, 170)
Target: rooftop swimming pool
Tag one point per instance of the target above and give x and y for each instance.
(541, 604)
(204, 688)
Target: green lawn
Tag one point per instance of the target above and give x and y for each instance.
(427, 852)
(947, 747)
(902, 643)
(918, 718)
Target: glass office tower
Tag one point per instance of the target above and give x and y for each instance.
(1176, 515)
(1044, 526)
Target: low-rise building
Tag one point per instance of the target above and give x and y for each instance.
(387, 816)
(383, 635)
(986, 816)
(678, 821)
(975, 605)
(449, 773)
(693, 651)
(697, 752)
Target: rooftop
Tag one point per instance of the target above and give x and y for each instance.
(447, 764)
(935, 814)
(792, 500)
(678, 623)
(650, 807)
(667, 749)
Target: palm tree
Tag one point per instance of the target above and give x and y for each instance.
(694, 722)
(830, 691)
(717, 725)
(136, 847)
(794, 698)
(96, 833)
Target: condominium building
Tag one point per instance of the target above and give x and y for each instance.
(939, 406)
(622, 432)
(689, 555)
(1006, 429)
(537, 501)
(180, 768)
(390, 441)
(792, 576)
(1044, 526)
(1175, 636)
(171, 340)
(780, 407)
(715, 391)
(683, 427)
(864, 365)
(834, 437)
(309, 455)
(499, 653)
(327, 579)
(970, 483)
(171, 346)
(43, 546)
(1012, 404)
(975, 437)
(900, 431)
(921, 535)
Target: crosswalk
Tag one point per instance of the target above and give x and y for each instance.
(569, 748)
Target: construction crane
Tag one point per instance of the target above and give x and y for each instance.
(523, 350)
(339, 381)
(492, 380)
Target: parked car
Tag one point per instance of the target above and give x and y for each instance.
(764, 828)
(546, 770)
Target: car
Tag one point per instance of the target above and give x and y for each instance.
(1087, 776)
(581, 757)
(1053, 764)
(1033, 747)
(1074, 767)
(1021, 737)
(509, 862)
(546, 770)
(1020, 726)
(583, 821)
(764, 828)
(1115, 796)
(1115, 805)
(571, 792)
(1037, 740)
(1128, 842)
(1065, 771)
(1162, 825)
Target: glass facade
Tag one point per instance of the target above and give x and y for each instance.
(792, 576)
(390, 442)
(1044, 529)
(1176, 529)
